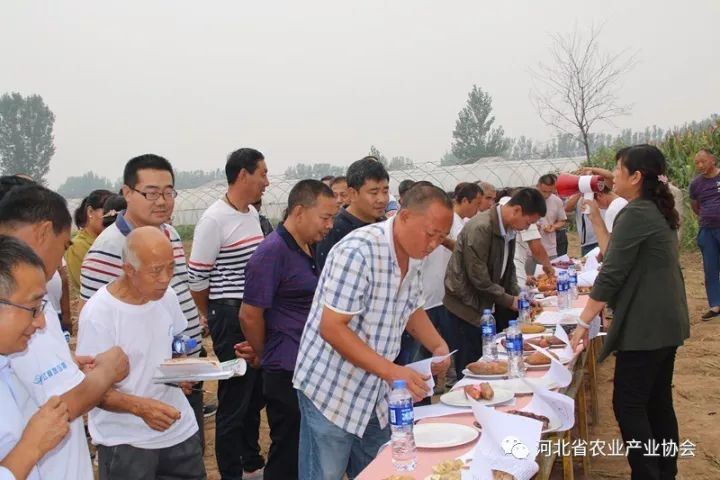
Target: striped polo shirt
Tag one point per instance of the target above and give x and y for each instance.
(223, 242)
(103, 264)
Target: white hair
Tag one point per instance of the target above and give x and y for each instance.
(487, 187)
(130, 257)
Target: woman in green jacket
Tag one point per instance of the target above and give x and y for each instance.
(641, 281)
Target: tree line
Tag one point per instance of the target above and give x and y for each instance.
(80, 186)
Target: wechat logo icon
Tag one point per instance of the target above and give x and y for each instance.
(513, 446)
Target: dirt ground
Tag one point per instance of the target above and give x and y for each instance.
(696, 390)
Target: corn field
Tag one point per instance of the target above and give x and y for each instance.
(679, 147)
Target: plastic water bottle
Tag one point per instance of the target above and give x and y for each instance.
(402, 440)
(523, 307)
(572, 277)
(563, 291)
(514, 342)
(487, 330)
(182, 344)
(66, 334)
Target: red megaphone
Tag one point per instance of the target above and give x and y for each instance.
(568, 185)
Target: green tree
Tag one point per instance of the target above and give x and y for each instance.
(79, 187)
(474, 136)
(196, 178)
(400, 163)
(375, 152)
(524, 149)
(26, 136)
(316, 171)
(679, 145)
(449, 159)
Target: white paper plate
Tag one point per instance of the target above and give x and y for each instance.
(457, 398)
(443, 435)
(518, 387)
(550, 301)
(553, 426)
(565, 317)
(470, 374)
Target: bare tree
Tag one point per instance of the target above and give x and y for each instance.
(579, 88)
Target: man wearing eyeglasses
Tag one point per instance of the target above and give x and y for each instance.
(47, 369)
(149, 190)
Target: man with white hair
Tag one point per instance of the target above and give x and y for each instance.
(488, 196)
(143, 430)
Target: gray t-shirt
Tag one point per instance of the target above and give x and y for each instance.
(555, 213)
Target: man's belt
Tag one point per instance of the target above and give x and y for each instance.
(230, 302)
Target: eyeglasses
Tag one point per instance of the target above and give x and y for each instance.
(152, 196)
(35, 311)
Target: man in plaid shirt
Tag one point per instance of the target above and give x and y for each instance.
(368, 293)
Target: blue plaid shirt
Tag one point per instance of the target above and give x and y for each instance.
(361, 278)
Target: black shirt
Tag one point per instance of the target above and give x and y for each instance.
(265, 226)
(344, 223)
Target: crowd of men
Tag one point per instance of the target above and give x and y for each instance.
(327, 308)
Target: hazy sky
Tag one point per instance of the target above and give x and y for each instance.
(322, 81)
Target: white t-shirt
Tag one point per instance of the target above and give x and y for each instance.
(103, 264)
(434, 267)
(45, 369)
(223, 242)
(522, 251)
(13, 397)
(555, 213)
(145, 333)
(612, 211)
(54, 291)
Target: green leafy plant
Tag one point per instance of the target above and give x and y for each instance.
(679, 147)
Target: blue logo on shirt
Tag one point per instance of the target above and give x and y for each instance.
(40, 378)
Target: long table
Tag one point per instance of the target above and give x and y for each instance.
(381, 467)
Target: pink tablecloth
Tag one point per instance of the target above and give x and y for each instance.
(382, 467)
